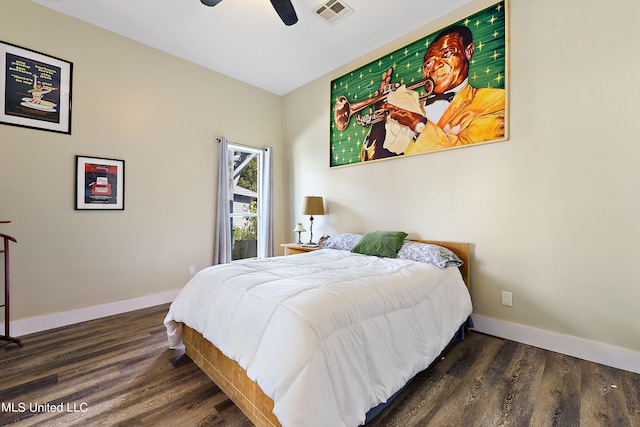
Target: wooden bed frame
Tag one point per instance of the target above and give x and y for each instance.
(232, 378)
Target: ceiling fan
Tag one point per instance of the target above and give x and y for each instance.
(283, 7)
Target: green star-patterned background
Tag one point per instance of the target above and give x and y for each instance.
(487, 69)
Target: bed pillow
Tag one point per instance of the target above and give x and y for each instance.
(432, 254)
(380, 243)
(344, 241)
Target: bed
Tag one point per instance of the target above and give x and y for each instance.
(320, 338)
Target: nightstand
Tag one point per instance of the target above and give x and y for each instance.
(296, 248)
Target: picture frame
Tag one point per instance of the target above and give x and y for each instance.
(35, 89)
(446, 90)
(99, 183)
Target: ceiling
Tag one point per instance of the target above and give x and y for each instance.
(246, 39)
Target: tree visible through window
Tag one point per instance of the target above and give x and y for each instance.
(245, 214)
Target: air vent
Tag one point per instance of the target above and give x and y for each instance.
(333, 11)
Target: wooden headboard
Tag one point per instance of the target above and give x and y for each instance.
(460, 249)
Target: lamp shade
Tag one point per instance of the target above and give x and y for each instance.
(312, 205)
(299, 227)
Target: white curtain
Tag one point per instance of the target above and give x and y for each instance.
(266, 205)
(222, 251)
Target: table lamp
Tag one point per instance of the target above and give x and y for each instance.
(312, 205)
(299, 229)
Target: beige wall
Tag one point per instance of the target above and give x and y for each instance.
(158, 113)
(553, 213)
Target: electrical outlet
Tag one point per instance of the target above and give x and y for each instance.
(507, 298)
(192, 270)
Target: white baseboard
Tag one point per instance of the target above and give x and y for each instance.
(605, 354)
(57, 320)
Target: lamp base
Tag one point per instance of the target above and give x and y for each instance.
(310, 245)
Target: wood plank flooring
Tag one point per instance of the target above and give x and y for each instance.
(119, 371)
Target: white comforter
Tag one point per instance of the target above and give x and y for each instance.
(327, 334)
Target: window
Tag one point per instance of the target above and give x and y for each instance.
(245, 211)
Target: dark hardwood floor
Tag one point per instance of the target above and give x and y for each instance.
(119, 371)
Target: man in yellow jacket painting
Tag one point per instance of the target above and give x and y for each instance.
(456, 113)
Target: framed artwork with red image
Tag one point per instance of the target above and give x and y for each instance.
(99, 183)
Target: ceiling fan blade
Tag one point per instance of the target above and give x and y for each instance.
(285, 10)
(210, 2)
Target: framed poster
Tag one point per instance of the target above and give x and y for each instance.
(446, 90)
(99, 183)
(35, 89)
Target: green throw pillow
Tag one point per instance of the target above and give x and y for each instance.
(380, 243)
